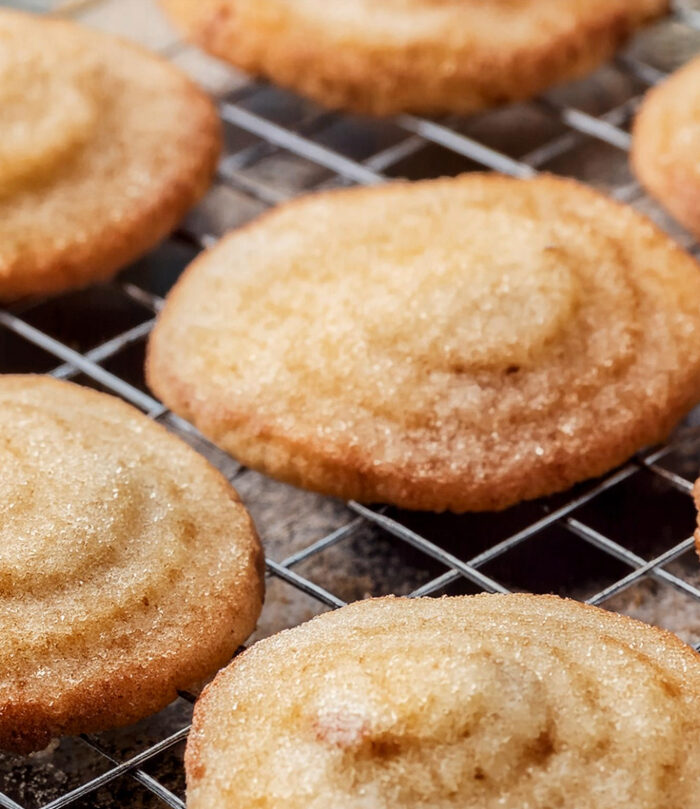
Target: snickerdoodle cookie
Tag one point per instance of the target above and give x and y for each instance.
(666, 145)
(452, 344)
(431, 56)
(103, 148)
(128, 566)
(482, 702)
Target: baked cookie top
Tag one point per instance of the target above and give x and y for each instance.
(452, 344)
(128, 566)
(430, 56)
(103, 147)
(482, 702)
(666, 145)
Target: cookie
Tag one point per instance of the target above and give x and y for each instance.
(128, 567)
(481, 702)
(103, 148)
(456, 344)
(666, 145)
(428, 56)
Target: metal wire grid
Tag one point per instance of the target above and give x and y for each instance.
(451, 570)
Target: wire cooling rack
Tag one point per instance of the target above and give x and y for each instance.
(623, 542)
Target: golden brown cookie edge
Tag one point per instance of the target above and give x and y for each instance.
(293, 53)
(668, 181)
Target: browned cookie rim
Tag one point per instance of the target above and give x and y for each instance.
(669, 180)
(420, 77)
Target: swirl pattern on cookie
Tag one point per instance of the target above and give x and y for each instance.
(103, 148)
(128, 567)
(48, 113)
(454, 344)
(666, 145)
(488, 702)
(429, 56)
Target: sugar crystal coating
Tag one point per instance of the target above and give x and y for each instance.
(47, 111)
(489, 702)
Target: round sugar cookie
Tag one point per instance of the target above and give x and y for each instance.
(666, 145)
(429, 56)
(481, 702)
(456, 344)
(128, 567)
(103, 148)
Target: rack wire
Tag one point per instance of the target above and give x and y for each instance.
(623, 541)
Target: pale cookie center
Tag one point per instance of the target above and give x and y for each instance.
(477, 722)
(69, 513)
(48, 113)
(48, 541)
(474, 718)
(496, 301)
